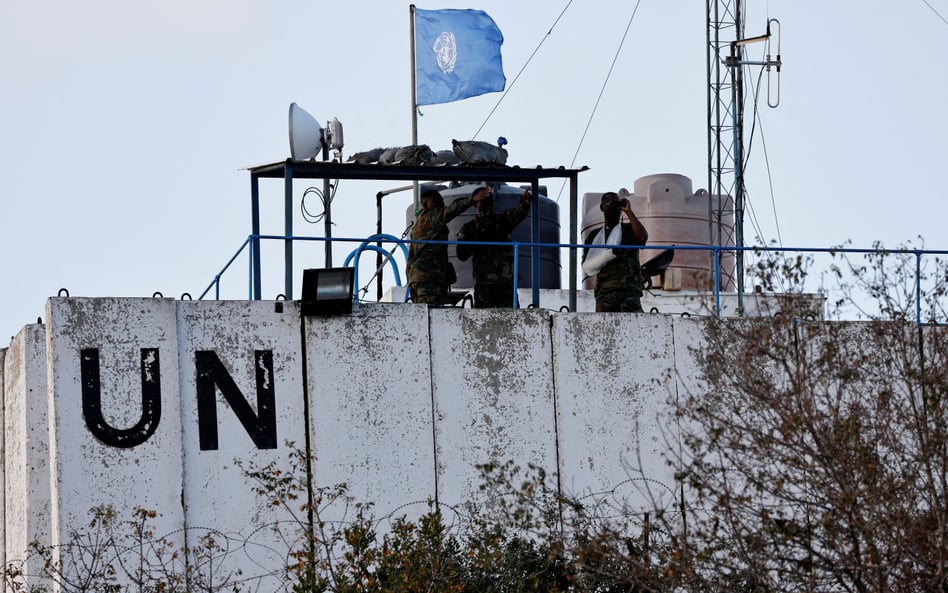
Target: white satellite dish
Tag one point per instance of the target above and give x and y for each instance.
(306, 135)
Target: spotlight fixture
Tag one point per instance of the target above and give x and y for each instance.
(327, 291)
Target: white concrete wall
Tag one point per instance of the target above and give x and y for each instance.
(493, 395)
(402, 402)
(3, 483)
(249, 339)
(611, 374)
(137, 346)
(370, 384)
(26, 447)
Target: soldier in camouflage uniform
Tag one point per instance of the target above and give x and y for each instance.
(619, 281)
(493, 265)
(428, 266)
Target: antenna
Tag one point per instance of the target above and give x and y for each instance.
(768, 63)
(308, 139)
(735, 62)
(332, 135)
(306, 136)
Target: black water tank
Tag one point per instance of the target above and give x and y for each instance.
(506, 197)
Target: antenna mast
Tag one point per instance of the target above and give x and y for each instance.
(724, 22)
(726, 120)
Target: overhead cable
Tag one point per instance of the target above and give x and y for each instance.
(524, 67)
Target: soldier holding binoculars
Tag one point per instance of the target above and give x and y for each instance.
(618, 272)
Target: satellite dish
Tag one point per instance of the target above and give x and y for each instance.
(306, 135)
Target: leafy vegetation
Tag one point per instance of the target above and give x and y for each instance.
(816, 455)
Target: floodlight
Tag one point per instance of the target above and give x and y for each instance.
(306, 135)
(327, 291)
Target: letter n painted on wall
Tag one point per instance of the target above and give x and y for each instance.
(211, 374)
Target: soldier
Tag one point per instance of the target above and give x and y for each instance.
(619, 281)
(493, 265)
(429, 271)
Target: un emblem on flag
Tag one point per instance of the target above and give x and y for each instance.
(446, 51)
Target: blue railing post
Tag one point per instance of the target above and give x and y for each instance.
(516, 272)
(717, 280)
(254, 285)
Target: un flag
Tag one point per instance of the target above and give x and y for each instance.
(457, 55)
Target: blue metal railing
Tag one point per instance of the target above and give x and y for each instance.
(216, 282)
(366, 244)
(715, 252)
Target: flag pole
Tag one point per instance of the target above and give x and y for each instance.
(414, 97)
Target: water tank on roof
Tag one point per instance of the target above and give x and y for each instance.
(506, 197)
(673, 214)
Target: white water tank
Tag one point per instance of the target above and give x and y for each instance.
(673, 214)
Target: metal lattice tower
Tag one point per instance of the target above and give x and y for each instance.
(724, 26)
(726, 119)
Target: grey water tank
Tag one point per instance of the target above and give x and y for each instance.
(506, 197)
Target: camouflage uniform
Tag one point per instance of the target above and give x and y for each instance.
(428, 263)
(492, 265)
(619, 283)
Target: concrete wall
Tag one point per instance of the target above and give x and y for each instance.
(166, 405)
(26, 461)
(228, 352)
(3, 471)
(493, 394)
(114, 404)
(611, 383)
(370, 392)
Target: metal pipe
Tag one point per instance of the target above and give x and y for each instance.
(573, 226)
(327, 206)
(255, 232)
(378, 254)
(288, 231)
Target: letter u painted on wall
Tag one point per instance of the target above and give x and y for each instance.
(210, 375)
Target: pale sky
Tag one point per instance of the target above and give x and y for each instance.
(125, 126)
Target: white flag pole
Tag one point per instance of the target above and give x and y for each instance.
(414, 98)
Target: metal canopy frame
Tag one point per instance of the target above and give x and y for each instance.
(290, 169)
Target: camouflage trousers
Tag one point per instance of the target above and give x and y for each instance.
(428, 293)
(618, 302)
(493, 296)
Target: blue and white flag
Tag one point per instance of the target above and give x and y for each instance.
(457, 55)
